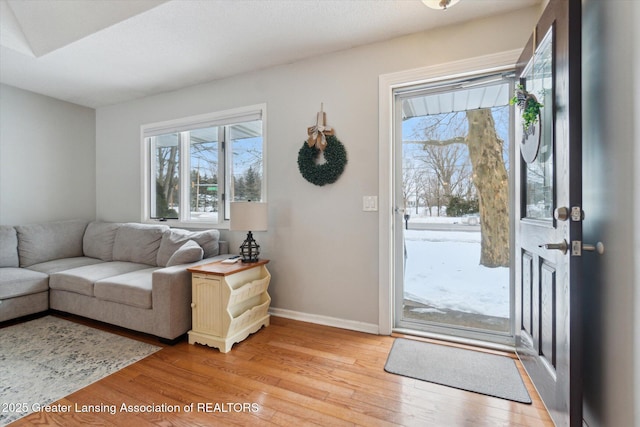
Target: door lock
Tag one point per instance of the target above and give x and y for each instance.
(577, 214)
(562, 246)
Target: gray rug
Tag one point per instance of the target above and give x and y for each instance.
(46, 359)
(469, 370)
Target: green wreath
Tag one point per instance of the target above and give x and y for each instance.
(325, 173)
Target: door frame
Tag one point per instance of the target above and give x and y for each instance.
(497, 62)
(449, 330)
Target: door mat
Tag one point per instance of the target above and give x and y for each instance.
(46, 359)
(468, 370)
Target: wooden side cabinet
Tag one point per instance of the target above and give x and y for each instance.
(229, 302)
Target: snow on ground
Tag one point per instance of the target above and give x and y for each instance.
(443, 270)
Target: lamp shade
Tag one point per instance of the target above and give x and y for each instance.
(248, 216)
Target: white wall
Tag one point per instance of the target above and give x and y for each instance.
(47, 158)
(323, 247)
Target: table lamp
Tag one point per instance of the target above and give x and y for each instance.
(249, 216)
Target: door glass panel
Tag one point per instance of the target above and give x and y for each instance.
(539, 173)
(455, 168)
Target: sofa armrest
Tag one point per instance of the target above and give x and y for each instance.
(171, 298)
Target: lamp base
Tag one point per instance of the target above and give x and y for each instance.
(249, 250)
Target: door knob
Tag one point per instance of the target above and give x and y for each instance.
(562, 213)
(562, 246)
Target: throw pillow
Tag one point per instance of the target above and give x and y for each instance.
(189, 252)
(173, 239)
(138, 243)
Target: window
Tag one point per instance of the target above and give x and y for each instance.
(195, 167)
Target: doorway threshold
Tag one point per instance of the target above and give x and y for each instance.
(477, 343)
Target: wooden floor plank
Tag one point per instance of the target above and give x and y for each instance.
(291, 373)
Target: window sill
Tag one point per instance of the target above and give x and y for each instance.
(174, 223)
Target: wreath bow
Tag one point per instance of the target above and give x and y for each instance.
(318, 133)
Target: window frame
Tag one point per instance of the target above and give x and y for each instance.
(223, 119)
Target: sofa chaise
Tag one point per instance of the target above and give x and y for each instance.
(126, 274)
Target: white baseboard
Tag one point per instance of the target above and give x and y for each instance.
(353, 325)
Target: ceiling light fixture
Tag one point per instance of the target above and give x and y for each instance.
(440, 4)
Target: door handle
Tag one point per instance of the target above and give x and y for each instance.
(562, 246)
(598, 247)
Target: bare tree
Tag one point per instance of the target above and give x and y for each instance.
(412, 178)
(449, 164)
(446, 139)
(492, 181)
(166, 179)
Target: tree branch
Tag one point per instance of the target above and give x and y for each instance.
(441, 143)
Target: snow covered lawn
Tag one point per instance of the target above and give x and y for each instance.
(443, 271)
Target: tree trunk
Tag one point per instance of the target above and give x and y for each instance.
(491, 180)
(168, 181)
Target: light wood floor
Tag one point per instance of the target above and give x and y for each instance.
(289, 374)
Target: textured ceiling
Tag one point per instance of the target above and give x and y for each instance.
(101, 52)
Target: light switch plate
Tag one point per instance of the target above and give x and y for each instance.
(370, 203)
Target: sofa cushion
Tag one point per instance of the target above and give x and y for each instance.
(173, 239)
(99, 238)
(8, 247)
(15, 282)
(132, 289)
(56, 265)
(189, 252)
(53, 240)
(138, 243)
(81, 280)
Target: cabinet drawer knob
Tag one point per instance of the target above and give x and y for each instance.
(193, 305)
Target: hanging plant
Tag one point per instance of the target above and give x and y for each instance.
(530, 113)
(327, 172)
(529, 106)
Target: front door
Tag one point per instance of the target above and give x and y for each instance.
(548, 214)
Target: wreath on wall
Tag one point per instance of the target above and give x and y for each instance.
(322, 158)
(327, 172)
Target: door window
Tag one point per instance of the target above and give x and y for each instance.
(539, 176)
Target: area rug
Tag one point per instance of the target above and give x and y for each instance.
(46, 359)
(469, 370)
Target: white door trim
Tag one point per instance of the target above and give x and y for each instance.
(386, 84)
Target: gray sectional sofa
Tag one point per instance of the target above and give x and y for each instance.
(126, 274)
